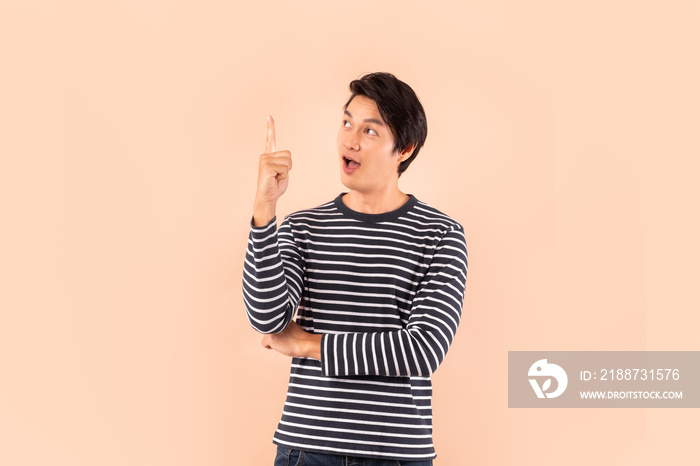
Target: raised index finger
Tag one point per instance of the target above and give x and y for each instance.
(270, 142)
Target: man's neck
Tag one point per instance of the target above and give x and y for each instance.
(375, 202)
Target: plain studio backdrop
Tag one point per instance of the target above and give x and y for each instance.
(562, 135)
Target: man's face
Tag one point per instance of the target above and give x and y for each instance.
(365, 146)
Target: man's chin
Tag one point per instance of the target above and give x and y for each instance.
(347, 180)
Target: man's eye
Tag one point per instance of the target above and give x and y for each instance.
(372, 131)
(346, 123)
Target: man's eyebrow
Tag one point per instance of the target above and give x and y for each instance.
(367, 120)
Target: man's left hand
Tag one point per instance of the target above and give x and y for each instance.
(295, 342)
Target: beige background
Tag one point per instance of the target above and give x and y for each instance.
(562, 135)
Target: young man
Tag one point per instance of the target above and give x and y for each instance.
(378, 278)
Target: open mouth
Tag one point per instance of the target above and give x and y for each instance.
(350, 164)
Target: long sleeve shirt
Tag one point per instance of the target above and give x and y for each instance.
(385, 291)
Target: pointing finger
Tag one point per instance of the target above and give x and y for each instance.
(270, 142)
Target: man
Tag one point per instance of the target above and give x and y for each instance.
(378, 278)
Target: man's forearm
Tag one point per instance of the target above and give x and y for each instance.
(263, 213)
(313, 347)
(270, 293)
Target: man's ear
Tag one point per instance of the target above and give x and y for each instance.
(406, 153)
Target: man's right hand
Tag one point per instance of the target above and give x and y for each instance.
(273, 178)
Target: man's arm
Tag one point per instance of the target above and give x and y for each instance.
(416, 350)
(271, 287)
(272, 277)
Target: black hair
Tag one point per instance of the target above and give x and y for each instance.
(399, 107)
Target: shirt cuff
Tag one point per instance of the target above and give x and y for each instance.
(264, 227)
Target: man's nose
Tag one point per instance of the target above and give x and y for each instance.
(352, 141)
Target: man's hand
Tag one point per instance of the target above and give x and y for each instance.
(273, 178)
(295, 342)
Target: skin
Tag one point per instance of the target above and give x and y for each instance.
(373, 188)
(365, 137)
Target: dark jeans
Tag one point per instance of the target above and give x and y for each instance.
(287, 457)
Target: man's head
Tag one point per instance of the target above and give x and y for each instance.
(401, 116)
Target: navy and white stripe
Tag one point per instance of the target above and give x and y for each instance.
(386, 291)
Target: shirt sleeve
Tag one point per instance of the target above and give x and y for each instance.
(272, 277)
(419, 348)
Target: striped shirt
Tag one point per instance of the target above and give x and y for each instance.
(386, 293)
